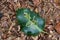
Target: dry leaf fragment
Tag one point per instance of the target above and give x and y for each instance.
(57, 2)
(36, 10)
(37, 2)
(57, 28)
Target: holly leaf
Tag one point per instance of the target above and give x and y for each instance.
(31, 23)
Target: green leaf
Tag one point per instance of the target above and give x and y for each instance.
(31, 23)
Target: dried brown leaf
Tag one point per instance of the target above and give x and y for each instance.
(57, 27)
(57, 2)
(37, 2)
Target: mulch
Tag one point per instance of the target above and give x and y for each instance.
(47, 9)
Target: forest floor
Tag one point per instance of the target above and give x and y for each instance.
(47, 9)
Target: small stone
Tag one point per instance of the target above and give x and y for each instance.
(51, 32)
(15, 0)
(50, 36)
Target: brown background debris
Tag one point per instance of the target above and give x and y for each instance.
(47, 9)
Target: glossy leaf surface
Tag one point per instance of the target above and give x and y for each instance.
(31, 23)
